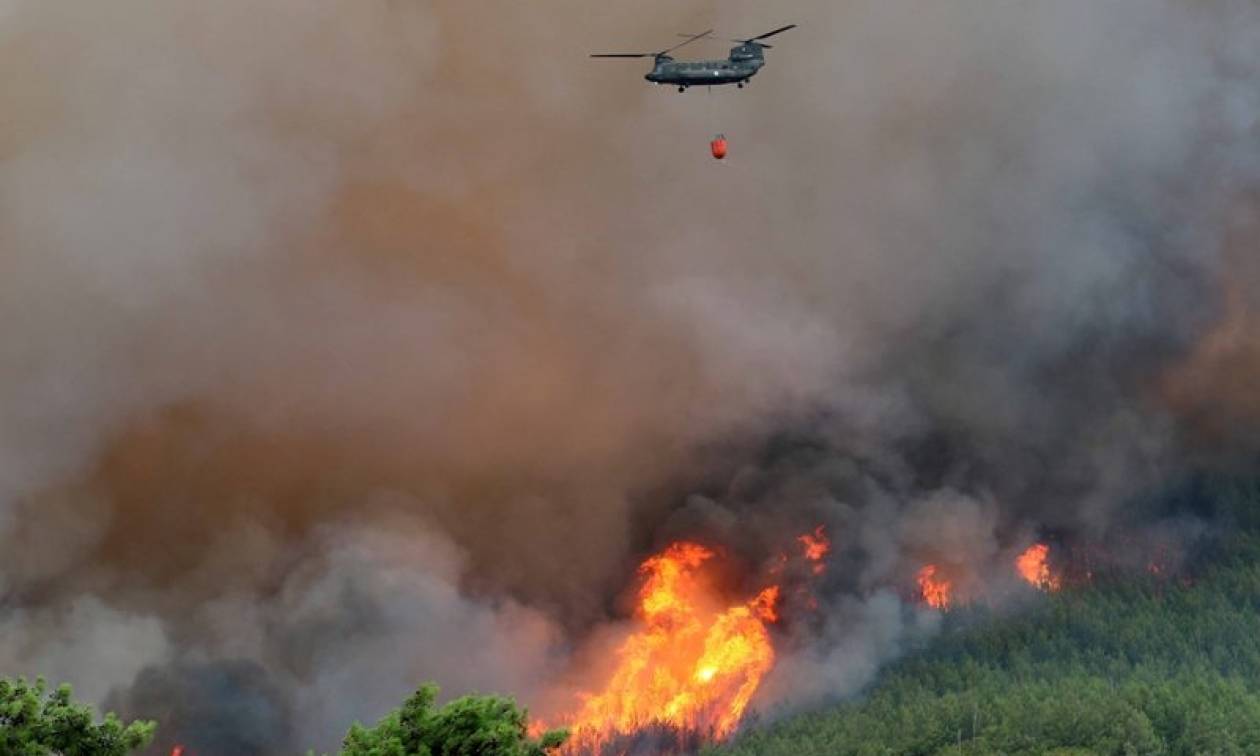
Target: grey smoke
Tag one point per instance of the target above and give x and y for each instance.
(226, 706)
(342, 343)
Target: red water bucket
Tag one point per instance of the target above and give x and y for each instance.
(718, 146)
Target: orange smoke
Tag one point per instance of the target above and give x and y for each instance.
(935, 588)
(1033, 566)
(1213, 387)
(693, 665)
(816, 547)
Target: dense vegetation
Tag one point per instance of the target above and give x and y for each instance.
(37, 722)
(1121, 666)
(468, 726)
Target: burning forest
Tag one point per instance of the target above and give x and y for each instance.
(349, 346)
(687, 672)
(692, 667)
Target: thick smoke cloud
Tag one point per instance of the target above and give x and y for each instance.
(224, 707)
(343, 343)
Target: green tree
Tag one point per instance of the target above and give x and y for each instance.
(469, 726)
(36, 722)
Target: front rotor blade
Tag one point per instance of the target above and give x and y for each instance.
(780, 30)
(741, 41)
(623, 55)
(687, 41)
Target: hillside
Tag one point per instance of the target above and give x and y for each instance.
(1122, 665)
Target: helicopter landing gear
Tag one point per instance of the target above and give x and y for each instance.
(682, 89)
(740, 85)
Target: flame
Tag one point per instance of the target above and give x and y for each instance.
(177, 751)
(693, 665)
(816, 546)
(1034, 567)
(935, 589)
(764, 604)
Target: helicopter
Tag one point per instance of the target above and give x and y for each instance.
(743, 63)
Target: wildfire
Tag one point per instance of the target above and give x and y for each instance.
(1034, 567)
(935, 588)
(816, 546)
(693, 665)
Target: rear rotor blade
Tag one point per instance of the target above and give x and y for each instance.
(623, 55)
(780, 30)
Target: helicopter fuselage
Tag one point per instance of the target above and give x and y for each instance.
(737, 68)
(690, 73)
(743, 63)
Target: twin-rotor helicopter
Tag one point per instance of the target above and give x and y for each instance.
(743, 63)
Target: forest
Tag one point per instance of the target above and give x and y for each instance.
(1123, 663)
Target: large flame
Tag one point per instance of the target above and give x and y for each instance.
(692, 666)
(1034, 566)
(935, 587)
